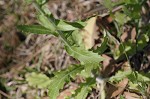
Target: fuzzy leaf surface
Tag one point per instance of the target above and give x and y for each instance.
(137, 81)
(41, 1)
(103, 46)
(47, 23)
(69, 26)
(38, 80)
(85, 88)
(133, 76)
(90, 59)
(36, 29)
(120, 75)
(61, 78)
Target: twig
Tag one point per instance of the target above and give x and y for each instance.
(4, 94)
(102, 11)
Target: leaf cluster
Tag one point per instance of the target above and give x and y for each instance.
(69, 33)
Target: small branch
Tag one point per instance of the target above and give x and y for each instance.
(102, 11)
(4, 94)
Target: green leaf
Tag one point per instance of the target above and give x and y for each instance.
(37, 29)
(47, 23)
(140, 77)
(77, 38)
(131, 1)
(38, 80)
(61, 78)
(133, 76)
(74, 38)
(122, 97)
(133, 10)
(128, 47)
(64, 26)
(139, 81)
(120, 75)
(40, 2)
(88, 58)
(121, 18)
(142, 42)
(108, 4)
(103, 46)
(28, 1)
(85, 88)
(69, 26)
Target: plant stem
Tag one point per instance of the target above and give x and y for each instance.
(58, 31)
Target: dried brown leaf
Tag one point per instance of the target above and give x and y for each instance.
(89, 33)
(129, 95)
(121, 86)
